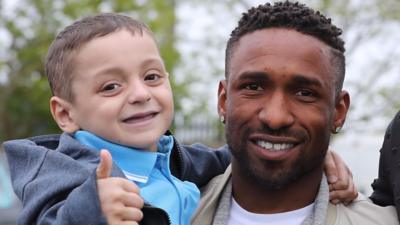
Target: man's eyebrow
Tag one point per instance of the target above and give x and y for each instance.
(305, 80)
(254, 75)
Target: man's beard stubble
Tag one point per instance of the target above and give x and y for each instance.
(272, 176)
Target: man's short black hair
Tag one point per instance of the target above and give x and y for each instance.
(296, 16)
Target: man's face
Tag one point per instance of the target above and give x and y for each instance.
(279, 104)
(121, 90)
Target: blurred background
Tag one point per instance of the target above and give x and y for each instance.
(192, 35)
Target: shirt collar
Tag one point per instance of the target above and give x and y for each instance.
(136, 164)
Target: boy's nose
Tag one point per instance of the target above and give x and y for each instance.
(139, 93)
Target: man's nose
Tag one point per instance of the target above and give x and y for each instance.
(139, 92)
(277, 112)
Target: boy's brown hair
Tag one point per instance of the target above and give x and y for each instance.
(60, 58)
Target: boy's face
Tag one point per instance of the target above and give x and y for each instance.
(121, 90)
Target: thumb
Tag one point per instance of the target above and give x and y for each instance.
(104, 168)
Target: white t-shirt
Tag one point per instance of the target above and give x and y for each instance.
(239, 216)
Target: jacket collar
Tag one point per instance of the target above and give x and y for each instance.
(136, 164)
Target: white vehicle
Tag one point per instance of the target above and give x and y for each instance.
(9, 204)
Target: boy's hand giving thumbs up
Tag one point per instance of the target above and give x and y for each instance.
(119, 198)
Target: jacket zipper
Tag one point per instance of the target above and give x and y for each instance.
(180, 158)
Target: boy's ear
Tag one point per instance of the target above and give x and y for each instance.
(61, 111)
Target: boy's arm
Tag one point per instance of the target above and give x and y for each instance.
(340, 179)
(201, 163)
(54, 188)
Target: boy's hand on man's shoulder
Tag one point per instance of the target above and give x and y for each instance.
(340, 179)
(119, 198)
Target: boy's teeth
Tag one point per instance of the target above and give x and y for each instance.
(274, 146)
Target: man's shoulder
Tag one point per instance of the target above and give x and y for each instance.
(210, 197)
(217, 183)
(363, 211)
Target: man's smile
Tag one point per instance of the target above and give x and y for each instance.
(274, 146)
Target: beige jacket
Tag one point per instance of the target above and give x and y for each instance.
(361, 212)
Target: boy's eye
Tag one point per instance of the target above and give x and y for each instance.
(110, 87)
(152, 77)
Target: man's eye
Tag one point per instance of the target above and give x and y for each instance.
(305, 93)
(254, 87)
(110, 87)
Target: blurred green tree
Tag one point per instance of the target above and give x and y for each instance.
(32, 24)
(370, 30)
(29, 29)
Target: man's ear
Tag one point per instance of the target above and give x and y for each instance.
(342, 105)
(222, 91)
(61, 111)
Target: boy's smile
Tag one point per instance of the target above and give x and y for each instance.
(121, 90)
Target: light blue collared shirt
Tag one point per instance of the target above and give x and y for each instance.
(151, 172)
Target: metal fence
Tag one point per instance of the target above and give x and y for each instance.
(200, 129)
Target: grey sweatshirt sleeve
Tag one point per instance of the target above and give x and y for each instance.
(54, 188)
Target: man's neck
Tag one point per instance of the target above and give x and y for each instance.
(256, 198)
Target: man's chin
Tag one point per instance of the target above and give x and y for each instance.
(275, 181)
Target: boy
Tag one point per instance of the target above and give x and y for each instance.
(111, 91)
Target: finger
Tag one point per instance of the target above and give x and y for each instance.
(344, 195)
(120, 222)
(128, 223)
(344, 175)
(131, 214)
(341, 197)
(105, 166)
(353, 193)
(132, 200)
(124, 184)
(330, 167)
(129, 186)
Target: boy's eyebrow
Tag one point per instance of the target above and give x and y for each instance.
(117, 70)
(149, 61)
(110, 70)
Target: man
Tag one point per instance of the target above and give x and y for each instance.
(281, 100)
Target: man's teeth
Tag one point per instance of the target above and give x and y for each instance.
(274, 146)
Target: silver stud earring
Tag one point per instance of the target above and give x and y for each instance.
(222, 118)
(337, 129)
